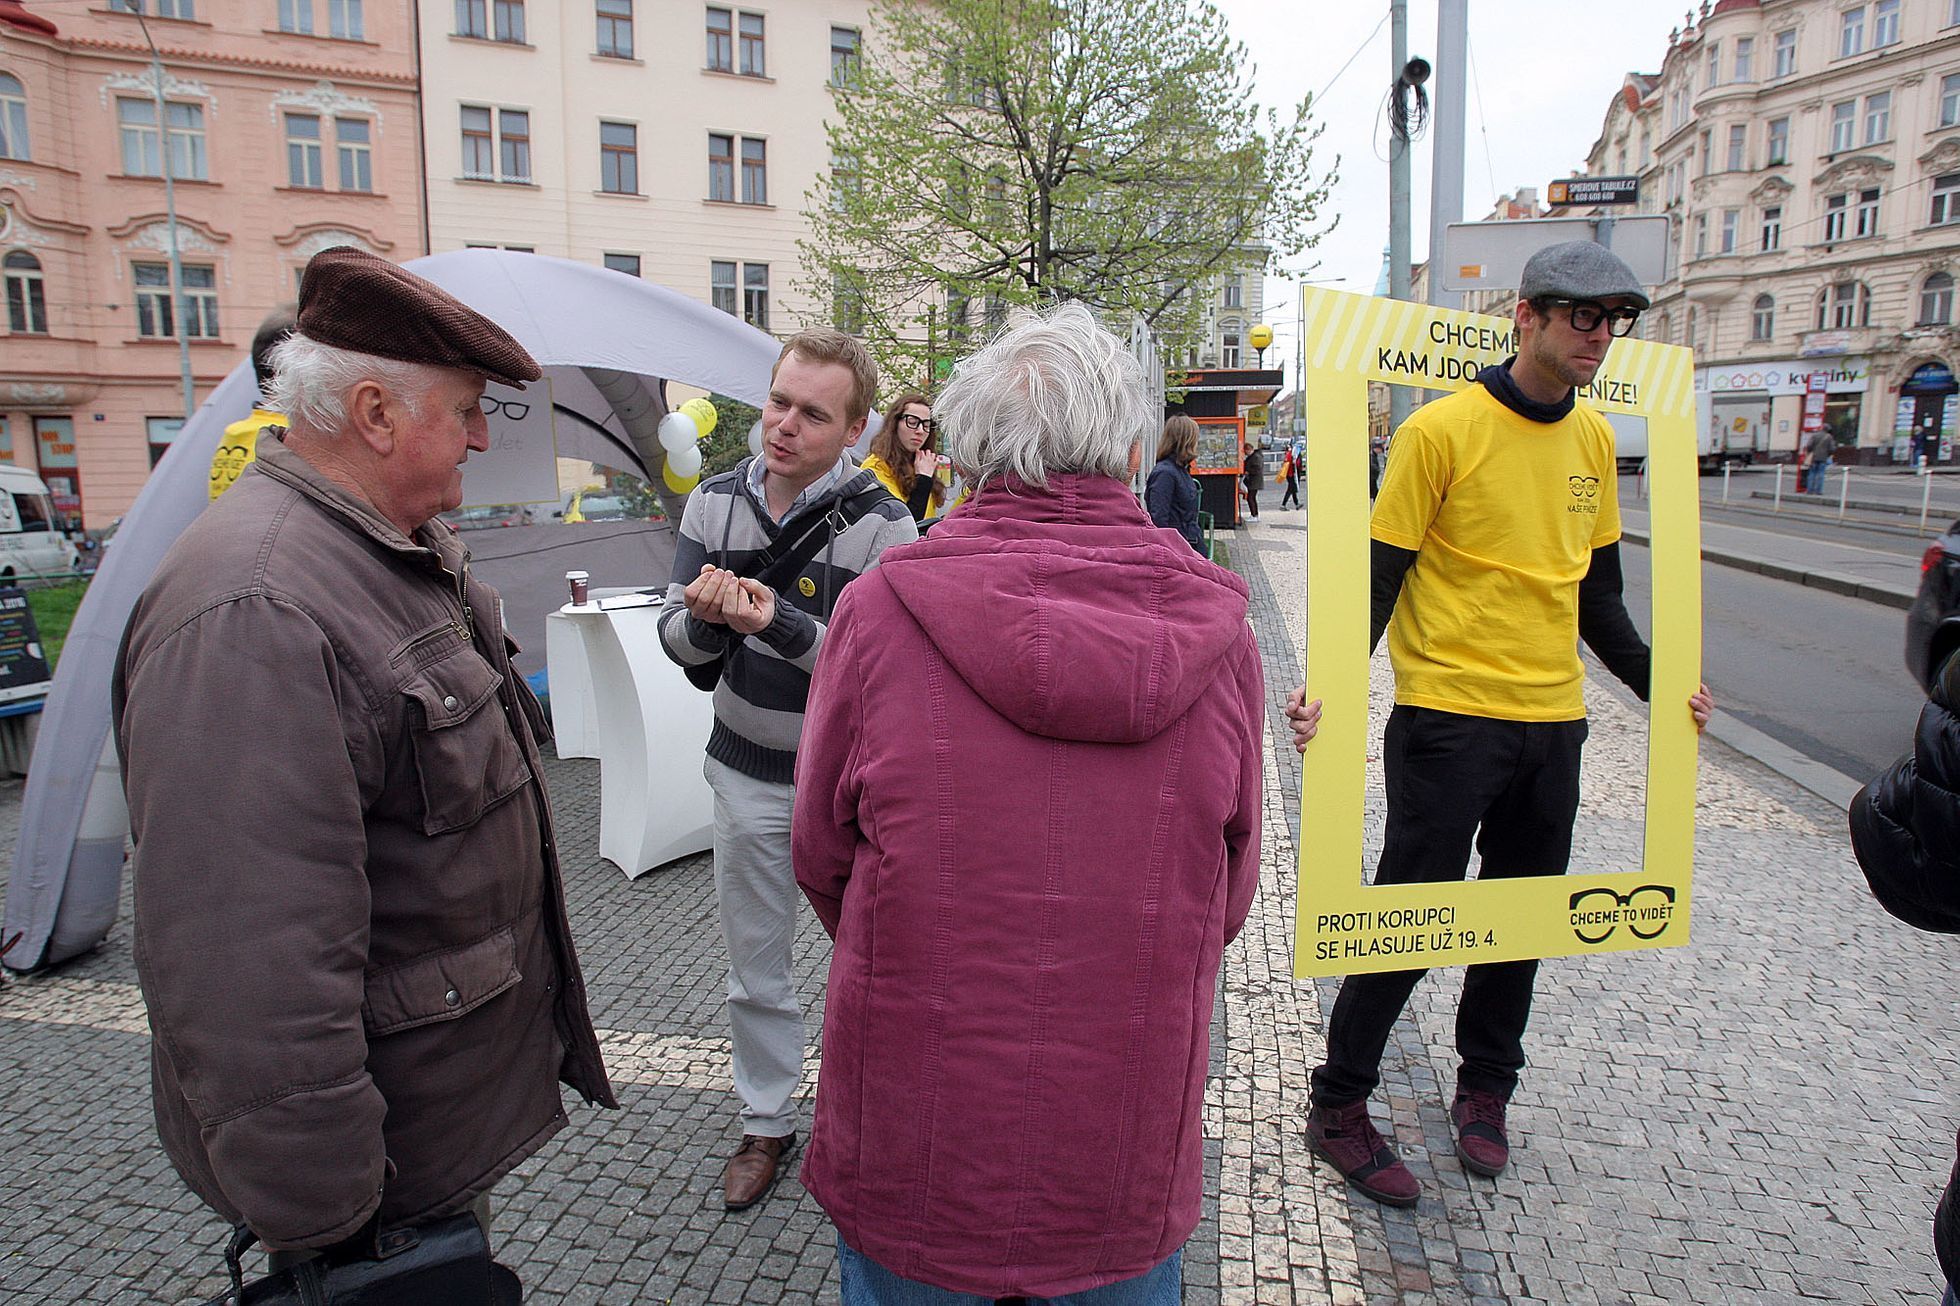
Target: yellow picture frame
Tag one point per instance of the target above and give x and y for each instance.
(1343, 926)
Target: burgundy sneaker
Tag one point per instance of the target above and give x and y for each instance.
(1347, 1139)
(1480, 1141)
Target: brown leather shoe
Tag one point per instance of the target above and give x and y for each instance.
(751, 1172)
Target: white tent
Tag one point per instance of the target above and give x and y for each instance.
(607, 343)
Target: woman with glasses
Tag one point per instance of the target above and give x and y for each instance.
(904, 459)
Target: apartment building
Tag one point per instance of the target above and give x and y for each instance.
(671, 142)
(1807, 154)
(288, 126)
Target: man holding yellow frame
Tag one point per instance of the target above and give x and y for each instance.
(1495, 549)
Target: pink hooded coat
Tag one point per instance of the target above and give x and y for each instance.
(1028, 803)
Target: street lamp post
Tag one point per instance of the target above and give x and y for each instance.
(177, 304)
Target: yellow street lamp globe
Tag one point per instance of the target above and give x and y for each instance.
(1261, 336)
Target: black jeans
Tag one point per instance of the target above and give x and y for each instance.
(1514, 787)
(1292, 494)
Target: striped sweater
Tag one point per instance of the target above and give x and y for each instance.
(766, 678)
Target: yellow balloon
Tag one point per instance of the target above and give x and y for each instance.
(703, 413)
(1262, 336)
(679, 485)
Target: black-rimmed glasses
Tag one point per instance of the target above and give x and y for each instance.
(508, 407)
(1586, 315)
(914, 422)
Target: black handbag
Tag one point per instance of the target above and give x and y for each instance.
(776, 569)
(442, 1263)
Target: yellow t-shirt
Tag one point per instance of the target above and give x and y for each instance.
(239, 448)
(1503, 513)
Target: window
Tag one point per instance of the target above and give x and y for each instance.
(721, 286)
(351, 135)
(1777, 144)
(721, 168)
(1762, 319)
(619, 158)
(1878, 117)
(721, 41)
(1738, 146)
(844, 181)
(1731, 229)
(199, 304)
(13, 118)
(1745, 57)
(1228, 350)
(163, 432)
(755, 295)
(479, 153)
(510, 20)
(843, 55)
(1946, 199)
(1935, 300)
(473, 18)
(1701, 235)
(184, 130)
(1866, 215)
(1885, 23)
(296, 16)
(848, 305)
(1851, 33)
(627, 263)
(1844, 124)
(1707, 152)
(1785, 54)
(752, 63)
(616, 30)
(1677, 108)
(755, 171)
(1234, 295)
(1950, 98)
(1714, 64)
(27, 305)
(1953, 13)
(514, 142)
(303, 150)
(1773, 228)
(184, 133)
(344, 19)
(1843, 306)
(1693, 341)
(1835, 207)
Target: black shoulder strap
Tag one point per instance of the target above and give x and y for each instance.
(776, 569)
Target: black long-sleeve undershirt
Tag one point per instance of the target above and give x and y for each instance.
(1603, 621)
(921, 501)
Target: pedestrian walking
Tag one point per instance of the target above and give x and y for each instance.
(1290, 470)
(1030, 859)
(904, 456)
(360, 979)
(1819, 450)
(1494, 551)
(1171, 494)
(1250, 477)
(1902, 826)
(763, 553)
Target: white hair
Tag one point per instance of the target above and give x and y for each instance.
(311, 381)
(1055, 392)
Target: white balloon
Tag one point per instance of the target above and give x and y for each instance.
(685, 462)
(678, 431)
(755, 437)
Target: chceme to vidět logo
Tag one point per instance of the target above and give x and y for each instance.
(1585, 494)
(1646, 912)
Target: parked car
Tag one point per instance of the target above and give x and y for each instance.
(484, 515)
(1933, 620)
(31, 540)
(588, 506)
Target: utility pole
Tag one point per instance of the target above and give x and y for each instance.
(1446, 164)
(1401, 401)
(177, 304)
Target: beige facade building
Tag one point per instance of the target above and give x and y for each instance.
(676, 143)
(1808, 155)
(288, 126)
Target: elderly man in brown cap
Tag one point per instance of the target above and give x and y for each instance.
(361, 984)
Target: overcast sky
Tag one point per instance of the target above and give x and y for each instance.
(1544, 71)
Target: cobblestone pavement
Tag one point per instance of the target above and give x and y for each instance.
(1764, 1116)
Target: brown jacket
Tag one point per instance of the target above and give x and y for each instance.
(350, 928)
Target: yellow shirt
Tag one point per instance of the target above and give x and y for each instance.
(1503, 514)
(239, 447)
(888, 478)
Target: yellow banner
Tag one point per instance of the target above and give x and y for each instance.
(1344, 926)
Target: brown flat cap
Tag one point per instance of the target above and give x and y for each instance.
(352, 299)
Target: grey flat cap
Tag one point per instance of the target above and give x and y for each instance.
(1580, 269)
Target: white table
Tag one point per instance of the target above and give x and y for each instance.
(626, 703)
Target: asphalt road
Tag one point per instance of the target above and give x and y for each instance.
(1820, 672)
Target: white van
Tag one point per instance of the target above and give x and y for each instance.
(30, 544)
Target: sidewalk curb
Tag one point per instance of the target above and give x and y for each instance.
(1834, 582)
(1833, 786)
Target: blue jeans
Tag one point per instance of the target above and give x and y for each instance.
(867, 1283)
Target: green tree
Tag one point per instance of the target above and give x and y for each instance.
(986, 153)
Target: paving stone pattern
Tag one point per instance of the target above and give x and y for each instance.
(1764, 1116)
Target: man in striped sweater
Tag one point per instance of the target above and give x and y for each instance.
(767, 641)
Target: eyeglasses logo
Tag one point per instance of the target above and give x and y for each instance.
(1583, 487)
(1646, 912)
(510, 408)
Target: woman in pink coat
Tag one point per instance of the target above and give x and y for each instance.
(1028, 813)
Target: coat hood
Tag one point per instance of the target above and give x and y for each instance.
(1068, 611)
